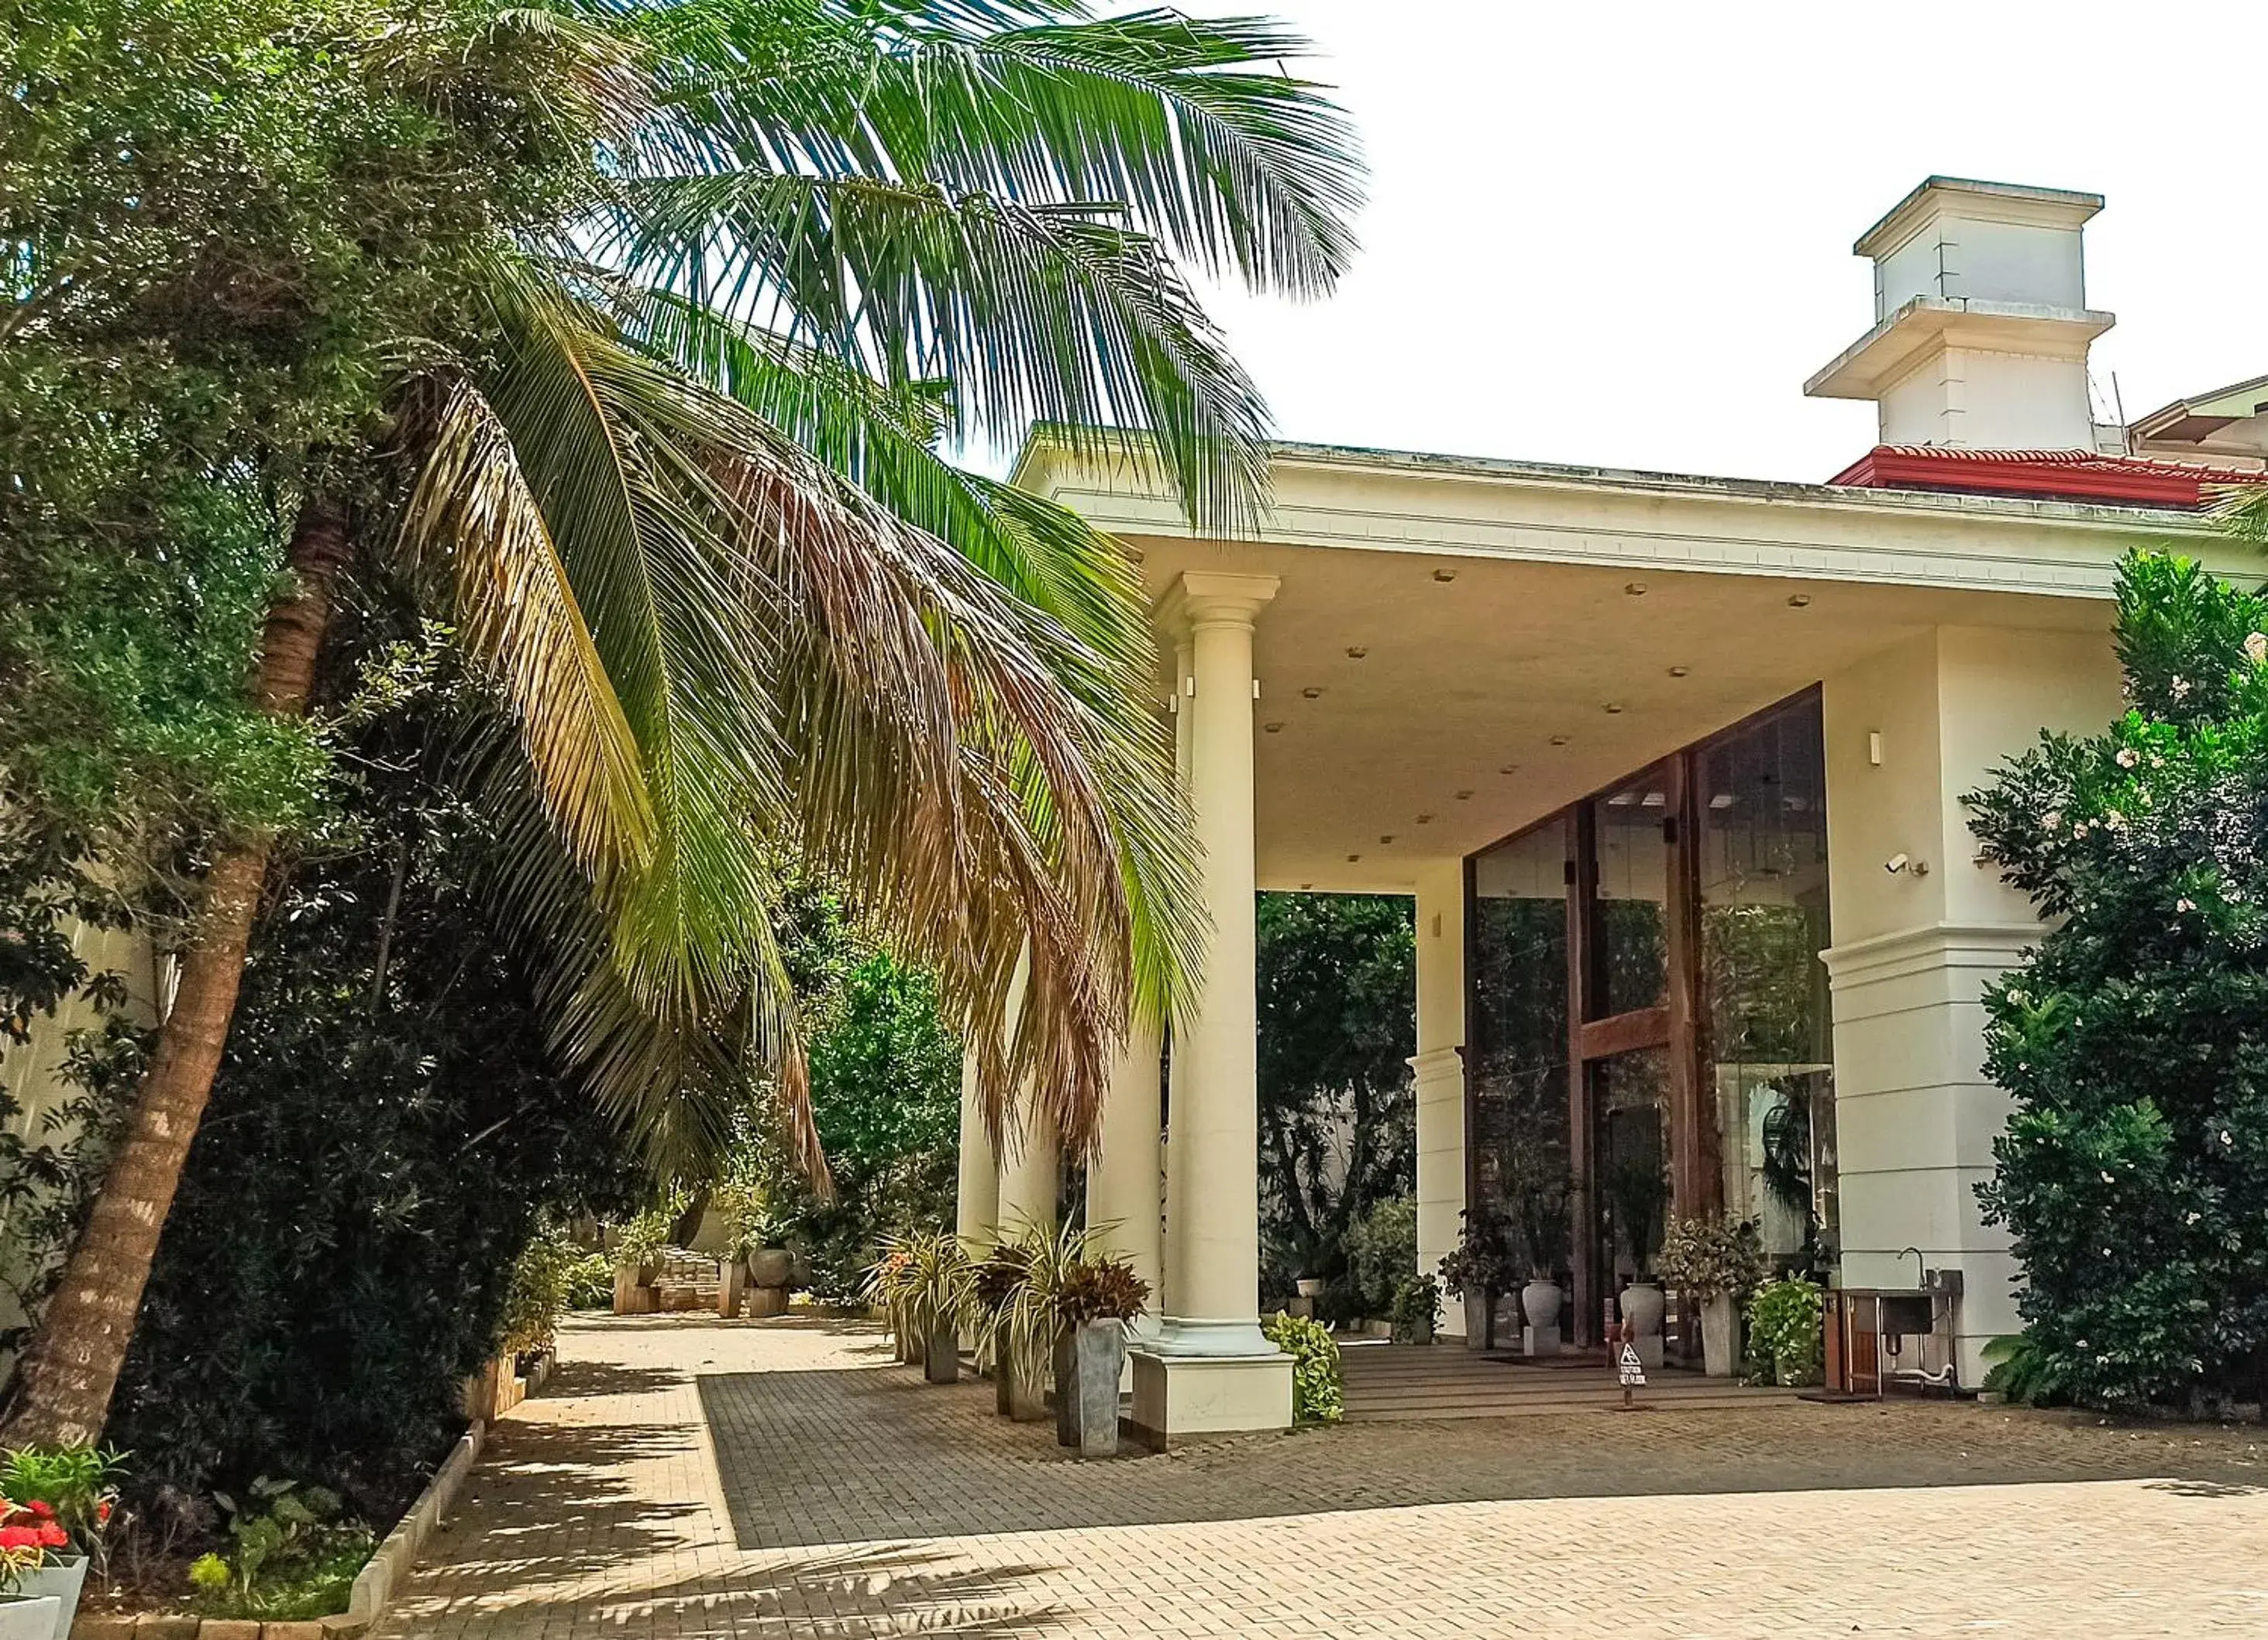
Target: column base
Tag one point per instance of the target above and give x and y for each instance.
(1181, 1397)
(1182, 1336)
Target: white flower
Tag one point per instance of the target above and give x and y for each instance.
(2128, 757)
(2113, 820)
(2191, 1218)
(2181, 688)
(2226, 1138)
(2256, 646)
(2106, 1178)
(2184, 904)
(2053, 818)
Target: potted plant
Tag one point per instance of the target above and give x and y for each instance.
(890, 1287)
(638, 1250)
(35, 1581)
(1094, 1301)
(1718, 1260)
(65, 1492)
(1638, 1194)
(924, 1279)
(996, 1284)
(1478, 1271)
(1543, 1229)
(1417, 1310)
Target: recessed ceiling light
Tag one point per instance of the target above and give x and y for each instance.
(1798, 600)
(1465, 796)
(1424, 819)
(1389, 837)
(1273, 728)
(1679, 672)
(1352, 858)
(1636, 589)
(1312, 692)
(1509, 769)
(1614, 706)
(1559, 739)
(1356, 651)
(1306, 885)
(1445, 576)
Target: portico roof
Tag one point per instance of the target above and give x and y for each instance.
(1460, 646)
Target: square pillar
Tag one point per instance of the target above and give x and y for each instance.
(1439, 1067)
(1209, 1369)
(1907, 732)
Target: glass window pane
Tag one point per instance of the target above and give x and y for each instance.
(1629, 1114)
(1633, 863)
(1763, 801)
(1517, 964)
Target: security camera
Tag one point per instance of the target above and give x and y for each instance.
(1896, 864)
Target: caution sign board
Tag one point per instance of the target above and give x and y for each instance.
(1631, 1370)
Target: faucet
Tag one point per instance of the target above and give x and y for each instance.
(1921, 1267)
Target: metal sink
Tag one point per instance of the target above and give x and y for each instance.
(1908, 1313)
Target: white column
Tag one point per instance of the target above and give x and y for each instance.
(1213, 1166)
(977, 1200)
(1907, 732)
(1438, 1066)
(1030, 1174)
(1125, 1181)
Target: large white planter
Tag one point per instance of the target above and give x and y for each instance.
(1539, 1302)
(63, 1577)
(1720, 1337)
(23, 1618)
(1642, 1307)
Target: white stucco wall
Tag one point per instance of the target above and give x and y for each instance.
(1438, 1066)
(1915, 1114)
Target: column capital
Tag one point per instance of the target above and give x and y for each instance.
(1207, 598)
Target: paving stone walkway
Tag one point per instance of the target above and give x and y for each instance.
(687, 1479)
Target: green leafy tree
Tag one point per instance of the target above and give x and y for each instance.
(628, 335)
(1338, 988)
(2133, 1175)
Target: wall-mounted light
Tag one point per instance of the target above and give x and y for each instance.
(1874, 747)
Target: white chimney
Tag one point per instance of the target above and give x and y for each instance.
(1981, 322)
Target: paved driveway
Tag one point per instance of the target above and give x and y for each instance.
(690, 1478)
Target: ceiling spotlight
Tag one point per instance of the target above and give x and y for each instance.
(1307, 885)
(1509, 769)
(1356, 651)
(1273, 728)
(1614, 707)
(1445, 576)
(1798, 600)
(1465, 796)
(1424, 819)
(1389, 837)
(1352, 858)
(1636, 589)
(1559, 739)
(1679, 672)
(1313, 692)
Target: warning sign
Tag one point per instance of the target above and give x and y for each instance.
(1632, 1370)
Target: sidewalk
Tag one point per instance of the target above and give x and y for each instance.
(686, 1479)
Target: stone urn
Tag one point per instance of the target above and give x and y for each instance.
(1642, 1305)
(1090, 1358)
(771, 1267)
(1720, 1336)
(1539, 1302)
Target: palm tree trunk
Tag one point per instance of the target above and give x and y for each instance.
(71, 1368)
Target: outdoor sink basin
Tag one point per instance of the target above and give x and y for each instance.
(1908, 1313)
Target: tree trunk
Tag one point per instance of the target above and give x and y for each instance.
(71, 1368)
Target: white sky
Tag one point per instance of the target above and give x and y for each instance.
(1619, 234)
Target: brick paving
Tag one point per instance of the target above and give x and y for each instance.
(688, 1479)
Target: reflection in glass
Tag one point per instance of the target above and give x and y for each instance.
(1629, 1115)
(1633, 866)
(1763, 922)
(1517, 964)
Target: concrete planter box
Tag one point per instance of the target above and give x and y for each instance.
(732, 1287)
(63, 1576)
(1089, 1360)
(24, 1617)
(1018, 1392)
(941, 1359)
(1480, 1322)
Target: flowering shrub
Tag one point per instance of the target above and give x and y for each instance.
(2133, 1175)
(1786, 1332)
(1712, 1257)
(1318, 1387)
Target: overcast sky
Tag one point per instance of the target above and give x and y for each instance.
(1621, 233)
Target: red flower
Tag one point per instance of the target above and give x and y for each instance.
(102, 1513)
(52, 1536)
(18, 1538)
(45, 1511)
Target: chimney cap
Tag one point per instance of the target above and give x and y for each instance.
(2006, 202)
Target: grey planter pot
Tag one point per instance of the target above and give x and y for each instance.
(772, 1267)
(1480, 1322)
(1026, 1402)
(1089, 1360)
(63, 1577)
(22, 1618)
(941, 1361)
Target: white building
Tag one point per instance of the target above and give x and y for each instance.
(1671, 766)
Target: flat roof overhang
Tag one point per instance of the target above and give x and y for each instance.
(1528, 634)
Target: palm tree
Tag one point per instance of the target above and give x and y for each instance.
(669, 456)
